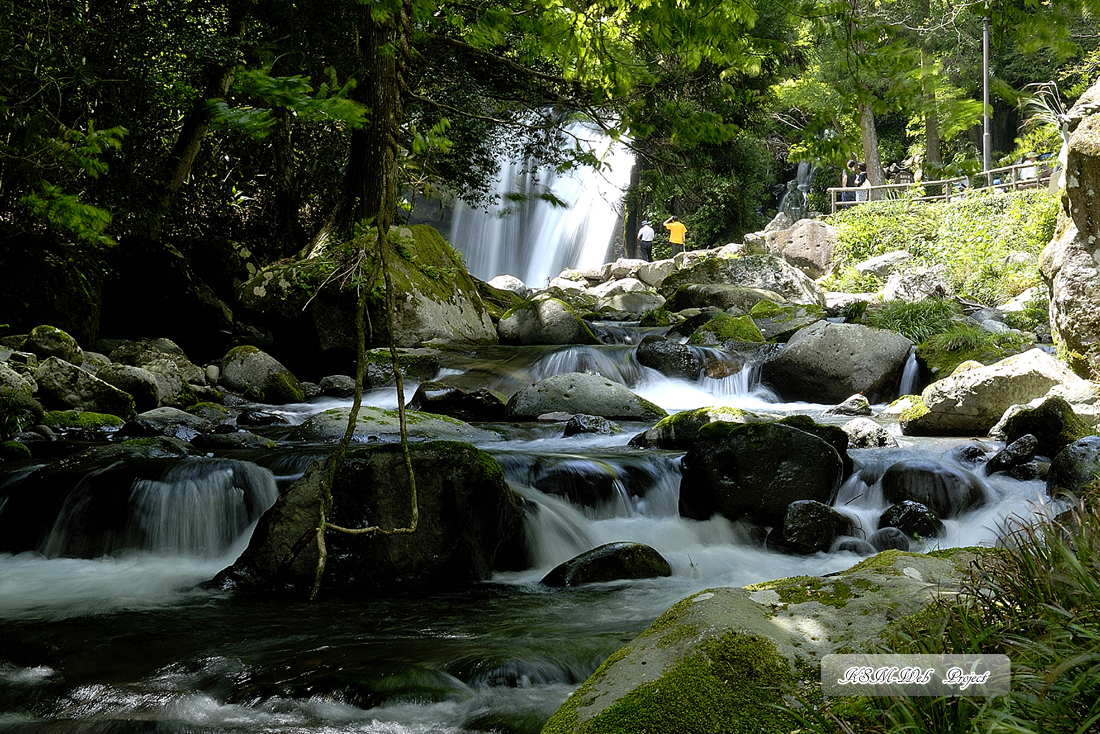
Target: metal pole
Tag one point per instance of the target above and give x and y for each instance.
(987, 138)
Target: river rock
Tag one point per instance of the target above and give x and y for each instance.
(1069, 263)
(580, 392)
(913, 519)
(827, 362)
(882, 265)
(377, 424)
(918, 285)
(654, 273)
(470, 523)
(545, 321)
(49, 341)
(1019, 452)
(669, 357)
(888, 539)
(610, 562)
(719, 295)
(808, 245)
(780, 321)
(15, 382)
(62, 384)
(337, 386)
(856, 405)
(511, 284)
(151, 353)
(476, 405)
(634, 303)
(723, 658)
(581, 424)
(810, 527)
(756, 471)
(766, 272)
(618, 287)
(974, 397)
(259, 376)
(171, 422)
(680, 430)
(864, 433)
(139, 383)
(1075, 469)
(1053, 424)
(945, 489)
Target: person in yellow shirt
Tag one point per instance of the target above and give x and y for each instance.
(676, 234)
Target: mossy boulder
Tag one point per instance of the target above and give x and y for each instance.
(140, 383)
(545, 321)
(14, 451)
(580, 392)
(413, 363)
(49, 341)
(435, 299)
(1076, 470)
(470, 523)
(62, 385)
(726, 328)
(680, 430)
(610, 562)
(940, 361)
(669, 357)
(377, 424)
(258, 376)
(719, 295)
(499, 301)
(764, 272)
(1053, 423)
(82, 420)
(779, 321)
(726, 660)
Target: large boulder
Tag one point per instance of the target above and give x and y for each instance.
(810, 527)
(808, 245)
(765, 272)
(148, 353)
(1069, 263)
(1053, 423)
(723, 659)
(680, 430)
(1075, 469)
(435, 298)
(719, 295)
(470, 523)
(669, 357)
(63, 385)
(756, 471)
(946, 489)
(917, 285)
(545, 321)
(610, 562)
(138, 382)
(780, 321)
(50, 341)
(580, 392)
(827, 363)
(975, 397)
(12, 381)
(468, 405)
(258, 376)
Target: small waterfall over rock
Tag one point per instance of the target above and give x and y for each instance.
(912, 381)
(531, 238)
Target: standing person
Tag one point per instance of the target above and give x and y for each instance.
(645, 241)
(848, 181)
(861, 178)
(676, 234)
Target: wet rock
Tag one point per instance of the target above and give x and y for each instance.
(1053, 424)
(945, 489)
(260, 419)
(913, 519)
(810, 526)
(166, 421)
(864, 433)
(669, 357)
(832, 435)
(1075, 469)
(889, 539)
(610, 562)
(680, 430)
(476, 405)
(856, 405)
(1021, 451)
(376, 424)
(579, 392)
(853, 545)
(581, 424)
(757, 470)
(470, 523)
(259, 376)
(63, 385)
(780, 321)
(337, 386)
(827, 363)
(140, 383)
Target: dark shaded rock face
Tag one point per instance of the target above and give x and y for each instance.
(945, 489)
(1076, 468)
(476, 405)
(889, 539)
(757, 470)
(1019, 452)
(669, 357)
(581, 424)
(912, 519)
(810, 526)
(470, 522)
(611, 562)
(1053, 424)
(854, 545)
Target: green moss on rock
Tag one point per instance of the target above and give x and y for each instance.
(14, 451)
(82, 420)
(725, 328)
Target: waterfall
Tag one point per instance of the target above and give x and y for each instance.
(911, 381)
(534, 240)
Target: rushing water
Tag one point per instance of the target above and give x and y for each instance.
(123, 640)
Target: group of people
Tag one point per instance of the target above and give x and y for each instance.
(677, 233)
(853, 177)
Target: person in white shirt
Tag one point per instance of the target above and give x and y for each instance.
(645, 240)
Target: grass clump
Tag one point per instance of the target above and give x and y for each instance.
(945, 351)
(1038, 601)
(918, 321)
(849, 280)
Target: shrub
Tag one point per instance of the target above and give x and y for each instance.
(918, 321)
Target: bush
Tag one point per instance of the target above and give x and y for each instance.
(850, 280)
(918, 321)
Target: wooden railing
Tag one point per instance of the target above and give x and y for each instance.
(1007, 178)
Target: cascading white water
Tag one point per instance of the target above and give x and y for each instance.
(910, 375)
(535, 240)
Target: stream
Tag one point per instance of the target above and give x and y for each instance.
(126, 642)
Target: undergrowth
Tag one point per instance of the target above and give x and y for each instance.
(918, 321)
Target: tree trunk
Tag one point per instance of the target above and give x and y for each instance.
(931, 113)
(630, 234)
(871, 155)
